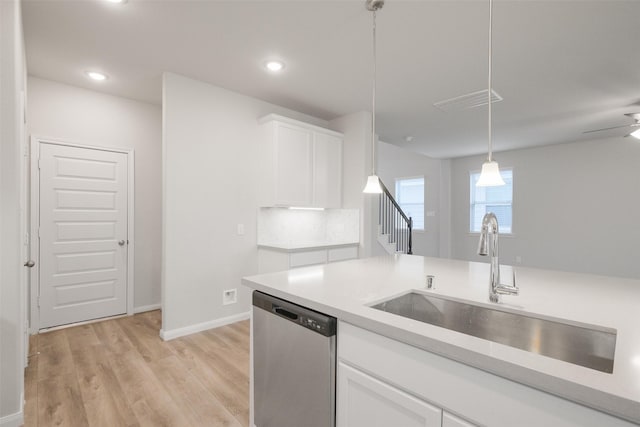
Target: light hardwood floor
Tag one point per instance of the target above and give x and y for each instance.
(120, 373)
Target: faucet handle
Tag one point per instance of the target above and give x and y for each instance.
(508, 289)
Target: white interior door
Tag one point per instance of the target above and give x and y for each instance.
(83, 234)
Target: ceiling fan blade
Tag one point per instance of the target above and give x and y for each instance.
(614, 127)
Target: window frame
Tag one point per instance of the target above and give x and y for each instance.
(424, 189)
(513, 183)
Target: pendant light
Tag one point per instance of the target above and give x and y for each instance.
(373, 182)
(490, 175)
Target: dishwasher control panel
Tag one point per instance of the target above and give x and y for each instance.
(305, 317)
(313, 324)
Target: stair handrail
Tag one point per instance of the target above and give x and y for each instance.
(407, 219)
(393, 201)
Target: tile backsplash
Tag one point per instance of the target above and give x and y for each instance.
(295, 226)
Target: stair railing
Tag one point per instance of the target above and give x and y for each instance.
(394, 222)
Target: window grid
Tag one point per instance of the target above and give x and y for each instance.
(410, 197)
(498, 200)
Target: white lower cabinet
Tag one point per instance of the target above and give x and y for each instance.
(270, 260)
(342, 254)
(300, 259)
(364, 401)
(384, 382)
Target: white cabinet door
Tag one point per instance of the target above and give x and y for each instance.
(293, 165)
(300, 164)
(342, 254)
(465, 390)
(327, 170)
(449, 420)
(300, 259)
(364, 401)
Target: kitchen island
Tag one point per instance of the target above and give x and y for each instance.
(459, 379)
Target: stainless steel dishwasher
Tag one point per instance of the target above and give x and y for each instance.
(294, 364)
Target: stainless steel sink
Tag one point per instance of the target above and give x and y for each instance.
(581, 344)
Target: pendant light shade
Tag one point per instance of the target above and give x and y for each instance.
(373, 185)
(490, 175)
(373, 182)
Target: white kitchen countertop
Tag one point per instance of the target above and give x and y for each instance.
(345, 290)
(305, 246)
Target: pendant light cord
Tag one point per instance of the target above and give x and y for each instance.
(489, 79)
(373, 103)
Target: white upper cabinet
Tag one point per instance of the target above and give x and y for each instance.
(294, 162)
(327, 170)
(301, 164)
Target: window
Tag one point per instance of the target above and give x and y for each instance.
(492, 199)
(410, 197)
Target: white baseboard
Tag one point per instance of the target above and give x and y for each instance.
(144, 308)
(13, 420)
(199, 327)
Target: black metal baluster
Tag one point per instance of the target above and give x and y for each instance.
(384, 215)
(388, 215)
(410, 235)
(395, 229)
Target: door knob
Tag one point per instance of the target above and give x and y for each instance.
(29, 263)
(121, 242)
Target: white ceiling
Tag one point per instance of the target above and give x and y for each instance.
(561, 66)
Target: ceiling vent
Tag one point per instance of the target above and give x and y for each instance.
(464, 102)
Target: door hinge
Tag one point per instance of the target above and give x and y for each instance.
(38, 301)
(38, 163)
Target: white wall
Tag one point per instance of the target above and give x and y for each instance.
(356, 166)
(78, 115)
(210, 175)
(576, 207)
(395, 162)
(444, 218)
(12, 294)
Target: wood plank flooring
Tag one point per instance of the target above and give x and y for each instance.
(120, 373)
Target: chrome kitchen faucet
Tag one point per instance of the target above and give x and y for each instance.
(490, 226)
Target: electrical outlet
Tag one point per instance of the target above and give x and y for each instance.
(229, 296)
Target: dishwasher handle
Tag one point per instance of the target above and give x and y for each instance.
(284, 312)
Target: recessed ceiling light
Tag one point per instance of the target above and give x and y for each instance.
(95, 75)
(274, 66)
